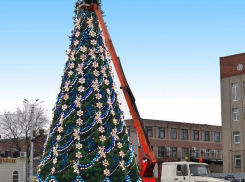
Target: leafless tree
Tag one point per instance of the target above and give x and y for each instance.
(16, 126)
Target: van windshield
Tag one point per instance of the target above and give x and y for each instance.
(199, 170)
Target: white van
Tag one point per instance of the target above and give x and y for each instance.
(186, 172)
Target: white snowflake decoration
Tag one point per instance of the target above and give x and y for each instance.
(107, 172)
(95, 65)
(122, 154)
(119, 145)
(101, 129)
(79, 121)
(76, 42)
(60, 129)
(98, 96)
(105, 163)
(107, 82)
(83, 57)
(52, 170)
(66, 97)
(58, 138)
(96, 73)
(81, 80)
(70, 73)
(102, 138)
(81, 89)
(79, 155)
(64, 107)
(115, 121)
(93, 42)
(77, 34)
(80, 113)
(79, 146)
(99, 105)
(55, 161)
(83, 49)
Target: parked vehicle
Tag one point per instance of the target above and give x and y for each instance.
(187, 172)
(229, 178)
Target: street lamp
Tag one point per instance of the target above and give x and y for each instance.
(32, 138)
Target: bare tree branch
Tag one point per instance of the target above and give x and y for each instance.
(16, 126)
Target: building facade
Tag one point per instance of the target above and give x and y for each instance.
(13, 169)
(232, 80)
(174, 141)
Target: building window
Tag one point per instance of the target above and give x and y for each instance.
(185, 153)
(244, 90)
(184, 134)
(161, 152)
(234, 91)
(235, 114)
(197, 154)
(15, 176)
(236, 137)
(149, 130)
(161, 132)
(128, 129)
(173, 133)
(217, 154)
(216, 136)
(207, 154)
(195, 135)
(207, 136)
(174, 152)
(238, 161)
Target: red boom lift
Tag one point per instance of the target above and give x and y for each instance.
(146, 167)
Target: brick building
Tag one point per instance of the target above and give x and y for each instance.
(232, 80)
(174, 141)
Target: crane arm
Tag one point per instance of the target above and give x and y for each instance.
(147, 167)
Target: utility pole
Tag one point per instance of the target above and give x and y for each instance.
(32, 137)
(32, 140)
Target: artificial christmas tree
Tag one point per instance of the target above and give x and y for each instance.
(88, 140)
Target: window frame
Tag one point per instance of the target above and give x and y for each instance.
(160, 151)
(183, 133)
(176, 152)
(244, 90)
(234, 92)
(238, 157)
(236, 135)
(194, 134)
(218, 141)
(14, 175)
(161, 129)
(207, 154)
(205, 134)
(235, 114)
(171, 129)
(147, 131)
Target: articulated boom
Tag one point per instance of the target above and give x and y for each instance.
(146, 167)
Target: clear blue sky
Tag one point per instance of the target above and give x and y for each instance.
(169, 51)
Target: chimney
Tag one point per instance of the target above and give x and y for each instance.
(41, 132)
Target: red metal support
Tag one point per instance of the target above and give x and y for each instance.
(148, 166)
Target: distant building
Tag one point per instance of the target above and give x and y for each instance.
(174, 141)
(232, 80)
(17, 169)
(13, 169)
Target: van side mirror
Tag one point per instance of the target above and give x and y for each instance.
(178, 167)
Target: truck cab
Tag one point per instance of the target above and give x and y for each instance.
(186, 172)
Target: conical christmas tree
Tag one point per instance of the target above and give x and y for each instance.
(88, 140)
